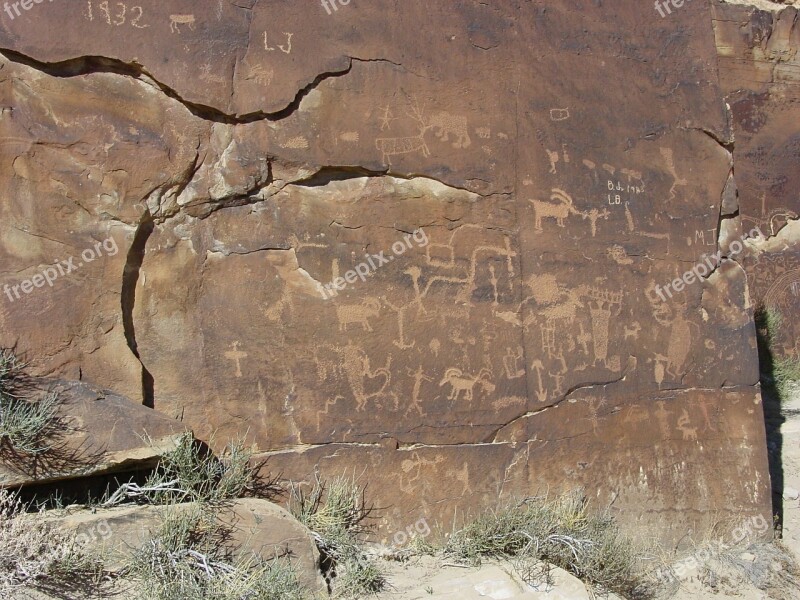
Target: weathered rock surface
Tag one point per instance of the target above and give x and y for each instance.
(98, 432)
(563, 163)
(253, 527)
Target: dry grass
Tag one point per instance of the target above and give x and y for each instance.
(560, 532)
(188, 559)
(336, 513)
(36, 555)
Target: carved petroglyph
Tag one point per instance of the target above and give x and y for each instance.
(483, 132)
(662, 414)
(236, 355)
(358, 313)
(175, 21)
(419, 376)
(680, 343)
(415, 465)
(351, 137)
(446, 124)
(669, 158)
(602, 305)
(593, 215)
(560, 210)
(397, 146)
(689, 433)
(261, 74)
(297, 143)
(559, 114)
(618, 254)
(594, 412)
(512, 361)
(462, 476)
(541, 392)
(632, 332)
(357, 370)
(553, 157)
(328, 404)
(466, 383)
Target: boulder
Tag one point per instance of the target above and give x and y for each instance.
(98, 432)
(252, 526)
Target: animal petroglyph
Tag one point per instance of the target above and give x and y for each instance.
(262, 75)
(461, 383)
(559, 210)
(396, 146)
(445, 125)
(175, 21)
(358, 313)
(356, 366)
(689, 433)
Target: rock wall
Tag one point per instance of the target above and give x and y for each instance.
(504, 196)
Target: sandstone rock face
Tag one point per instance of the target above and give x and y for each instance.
(518, 186)
(99, 432)
(255, 527)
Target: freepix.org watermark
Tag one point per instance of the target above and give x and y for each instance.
(49, 275)
(754, 526)
(373, 263)
(327, 4)
(702, 269)
(25, 4)
(662, 5)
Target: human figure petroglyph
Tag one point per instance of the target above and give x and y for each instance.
(602, 306)
(669, 158)
(594, 412)
(358, 313)
(419, 376)
(511, 362)
(466, 383)
(462, 476)
(553, 157)
(662, 414)
(416, 462)
(236, 355)
(175, 21)
(594, 215)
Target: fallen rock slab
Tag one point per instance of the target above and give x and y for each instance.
(99, 432)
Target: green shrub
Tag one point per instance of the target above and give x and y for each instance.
(26, 423)
(561, 532)
(336, 513)
(191, 473)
